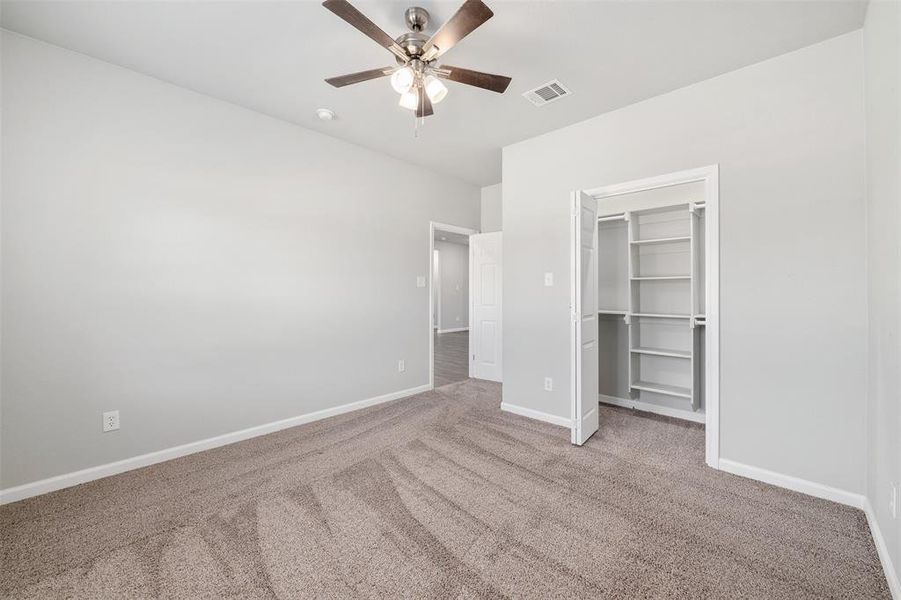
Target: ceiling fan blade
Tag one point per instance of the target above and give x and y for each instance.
(346, 11)
(469, 16)
(352, 78)
(424, 108)
(495, 83)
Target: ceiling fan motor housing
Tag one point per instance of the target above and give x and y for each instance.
(413, 41)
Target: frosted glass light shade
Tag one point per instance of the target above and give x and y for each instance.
(435, 90)
(409, 100)
(402, 79)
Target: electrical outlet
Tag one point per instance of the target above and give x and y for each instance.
(548, 280)
(458, 318)
(548, 384)
(110, 421)
(401, 367)
(420, 281)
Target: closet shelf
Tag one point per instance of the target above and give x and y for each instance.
(660, 316)
(612, 311)
(663, 278)
(662, 352)
(662, 388)
(667, 240)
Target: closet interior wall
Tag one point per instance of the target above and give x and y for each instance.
(651, 296)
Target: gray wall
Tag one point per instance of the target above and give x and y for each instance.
(788, 134)
(454, 267)
(882, 43)
(492, 208)
(200, 267)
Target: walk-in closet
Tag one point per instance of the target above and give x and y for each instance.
(651, 300)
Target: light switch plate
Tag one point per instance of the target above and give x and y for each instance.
(548, 280)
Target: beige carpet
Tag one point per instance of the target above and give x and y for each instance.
(439, 495)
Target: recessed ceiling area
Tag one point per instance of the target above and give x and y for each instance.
(273, 57)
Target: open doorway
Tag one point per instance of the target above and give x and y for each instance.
(450, 314)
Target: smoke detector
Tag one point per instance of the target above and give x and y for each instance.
(325, 114)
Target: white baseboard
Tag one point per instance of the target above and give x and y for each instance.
(59, 482)
(796, 484)
(665, 411)
(891, 575)
(536, 414)
(458, 329)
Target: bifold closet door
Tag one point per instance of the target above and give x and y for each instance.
(584, 305)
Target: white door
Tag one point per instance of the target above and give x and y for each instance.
(485, 315)
(584, 305)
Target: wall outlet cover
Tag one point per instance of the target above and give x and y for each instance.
(110, 421)
(401, 366)
(420, 281)
(548, 280)
(548, 384)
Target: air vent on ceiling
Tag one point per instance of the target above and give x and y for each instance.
(547, 93)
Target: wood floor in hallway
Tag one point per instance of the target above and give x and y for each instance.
(451, 364)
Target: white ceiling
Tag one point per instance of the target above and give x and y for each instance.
(272, 57)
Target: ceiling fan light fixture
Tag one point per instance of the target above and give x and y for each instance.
(409, 99)
(415, 74)
(435, 90)
(402, 80)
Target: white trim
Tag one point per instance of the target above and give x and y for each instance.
(575, 302)
(796, 484)
(470, 360)
(51, 484)
(536, 414)
(436, 273)
(433, 227)
(891, 575)
(666, 411)
(712, 315)
(709, 175)
(652, 183)
(455, 330)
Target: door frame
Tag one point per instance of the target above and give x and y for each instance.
(447, 228)
(710, 176)
(436, 293)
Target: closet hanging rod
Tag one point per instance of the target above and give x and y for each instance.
(619, 217)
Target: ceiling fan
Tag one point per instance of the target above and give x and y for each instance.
(417, 76)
